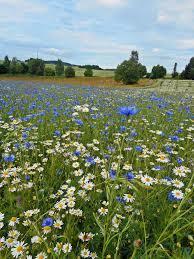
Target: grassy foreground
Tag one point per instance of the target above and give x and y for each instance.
(95, 172)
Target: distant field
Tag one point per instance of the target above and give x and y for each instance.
(80, 71)
(100, 81)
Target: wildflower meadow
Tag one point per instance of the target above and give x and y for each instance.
(91, 172)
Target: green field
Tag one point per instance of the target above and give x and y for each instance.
(80, 71)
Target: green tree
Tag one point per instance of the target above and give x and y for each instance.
(158, 72)
(174, 73)
(134, 56)
(88, 72)
(182, 75)
(59, 68)
(69, 72)
(36, 66)
(188, 72)
(6, 63)
(142, 70)
(127, 72)
(148, 75)
(24, 68)
(19, 68)
(191, 73)
(13, 66)
(3, 69)
(49, 71)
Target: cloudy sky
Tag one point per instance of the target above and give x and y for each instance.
(99, 31)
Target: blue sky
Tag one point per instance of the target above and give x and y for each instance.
(99, 31)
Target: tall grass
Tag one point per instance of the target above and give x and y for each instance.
(81, 177)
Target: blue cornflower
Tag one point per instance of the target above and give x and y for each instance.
(90, 160)
(168, 149)
(79, 122)
(17, 145)
(9, 158)
(112, 174)
(170, 113)
(27, 177)
(133, 134)
(158, 167)
(123, 128)
(179, 131)
(47, 222)
(24, 135)
(179, 160)
(77, 153)
(175, 195)
(27, 145)
(129, 176)
(174, 138)
(128, 110)
(120, 199)
(57, 133)
(168, 178)
(170, 196)
(138, 148)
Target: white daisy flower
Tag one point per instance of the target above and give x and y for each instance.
(67, 248)
(18, 249)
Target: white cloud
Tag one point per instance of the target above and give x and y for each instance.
(55, 52)
(91, 43)
(176, 11)
(111, 2)
(185, 44)
(93, 4)
(163, 18)
(19, 10)
(155, 50)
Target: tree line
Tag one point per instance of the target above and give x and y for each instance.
(36, 66)
(131, 70)
(128, 72)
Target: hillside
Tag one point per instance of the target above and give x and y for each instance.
(80, 71)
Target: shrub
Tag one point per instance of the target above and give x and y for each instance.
(6, 63)
(36, 66)
(69, 72)
(148, 75)
(88, 72)
(49, 71)
(188, 73)
(19, 68)
(24, 68)
(13, 66)
(127, 72)
(3, 69)
(59, 68)
(158, 72)
(142, 70)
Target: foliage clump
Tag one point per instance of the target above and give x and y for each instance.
(69, 72)
(36, 66)
(88, 72)
(49, 71)
(59, 68)
(158, 72)
(130, 71)
(188, 73)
